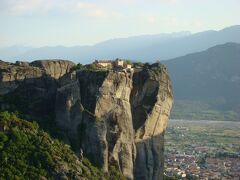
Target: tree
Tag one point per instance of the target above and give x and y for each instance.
(128, 62)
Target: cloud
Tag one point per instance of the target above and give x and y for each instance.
(92, 10)
(94, 7)
(80, 7)
(151, 19)
(173, 22)
(99, 13)
(20, 7)
(171, 1)
(134, 2)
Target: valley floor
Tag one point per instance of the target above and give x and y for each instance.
(202, 149)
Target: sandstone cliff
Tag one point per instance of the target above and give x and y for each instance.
(118, 118)
(11, 74)
(31, 87)
(151, 104)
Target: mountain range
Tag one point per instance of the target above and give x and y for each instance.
(139, 48)
(204, 66)
(207, 84)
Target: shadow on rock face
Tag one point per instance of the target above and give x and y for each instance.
(149, 163)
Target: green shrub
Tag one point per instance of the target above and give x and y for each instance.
(115, 174)
(91, 67)
(27, 152)
(128, 62)
(138, 65)
(76, 67)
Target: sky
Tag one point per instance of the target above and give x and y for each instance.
(39, 23)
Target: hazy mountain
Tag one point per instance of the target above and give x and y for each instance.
(107, 49)
(9, 53)
(145, 47)
(207, 82)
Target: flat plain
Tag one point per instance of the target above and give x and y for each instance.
(202, 149)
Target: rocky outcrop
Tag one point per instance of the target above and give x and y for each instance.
(151, 104)
(30, 87)
(118, 117)
(13, 73)
(54, 68)
(96, 106)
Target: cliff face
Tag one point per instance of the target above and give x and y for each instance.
(11, 74)
(118, 118)
(31, 87)
(53, 68)
(151, 104)
(95, 106)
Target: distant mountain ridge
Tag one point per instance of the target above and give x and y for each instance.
(145, 47)
(207, 84)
